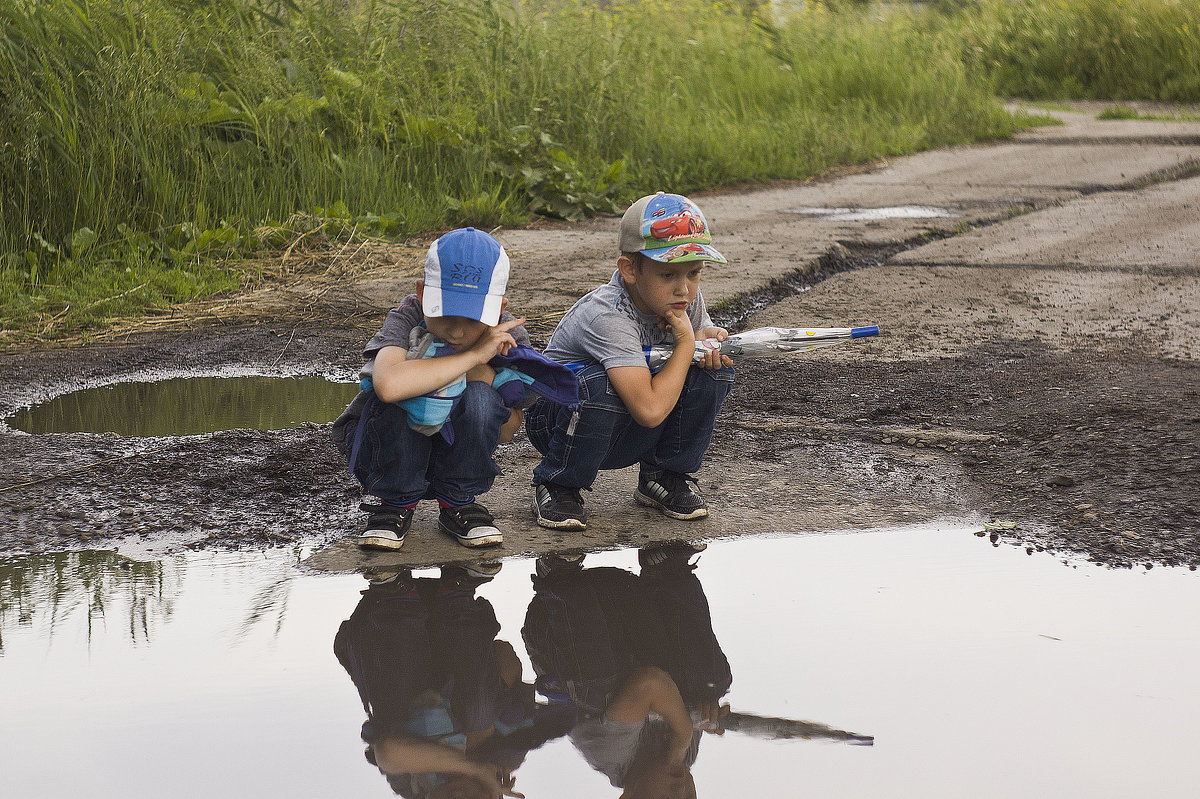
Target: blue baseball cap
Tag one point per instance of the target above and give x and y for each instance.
(466, 274)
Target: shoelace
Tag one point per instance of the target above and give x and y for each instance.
(473, 515)
(675, 481)
(559, 493)
(386, 510)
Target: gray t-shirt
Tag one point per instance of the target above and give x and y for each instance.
(606, 327)
(396, 332)
(398, 326)
(610, 747)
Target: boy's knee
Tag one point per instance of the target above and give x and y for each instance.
(709, 383)
(481, 403)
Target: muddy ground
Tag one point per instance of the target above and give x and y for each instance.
(1037, 373)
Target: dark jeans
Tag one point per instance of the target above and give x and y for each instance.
(585, 630)
(576, 443)
(394, 646)
(398, 464)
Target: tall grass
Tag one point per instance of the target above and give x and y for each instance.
(144, 142)
(1101, 49)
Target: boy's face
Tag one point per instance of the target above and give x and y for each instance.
(656, 288)
(459, 332)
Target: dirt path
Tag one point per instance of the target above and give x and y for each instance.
(1037, 298)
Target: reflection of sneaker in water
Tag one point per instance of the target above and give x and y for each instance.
(394, 580)
(486, 568)
(558, 507)
(471, 525)
(546, 564)
(386, 526)
(680, 554)
(466, 575)
(672, 493)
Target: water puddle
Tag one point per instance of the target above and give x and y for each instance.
(874, 214)
(974, 671)
(183, 406)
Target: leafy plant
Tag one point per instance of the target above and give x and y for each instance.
(554, 182)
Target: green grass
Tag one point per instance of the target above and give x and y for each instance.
(1128, 112)
(1086, 49)
(1119, 112)
(151, 149)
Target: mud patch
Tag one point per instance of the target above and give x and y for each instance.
(734, 312)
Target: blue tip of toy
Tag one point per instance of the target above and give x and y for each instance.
(861, 332)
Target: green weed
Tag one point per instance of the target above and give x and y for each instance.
(1119, 112)
(1086, 49)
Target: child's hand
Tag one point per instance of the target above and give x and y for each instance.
(681, 328)
(713, 359)
(711, 713)
(499, 781)
(497, 340)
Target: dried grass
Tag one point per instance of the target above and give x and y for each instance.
(311, 280)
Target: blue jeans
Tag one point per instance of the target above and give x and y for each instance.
(397, 646)
(400, 465)
(576, 443)
(585, 629)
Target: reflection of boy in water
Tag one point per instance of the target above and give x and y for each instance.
(637, 656)
(448, 715)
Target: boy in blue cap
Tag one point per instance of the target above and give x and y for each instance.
(445, 381)
(626, 414)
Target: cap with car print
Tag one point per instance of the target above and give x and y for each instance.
(667, 228)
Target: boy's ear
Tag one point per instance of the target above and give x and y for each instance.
(503, 304)
(420, 290)
(627, 268)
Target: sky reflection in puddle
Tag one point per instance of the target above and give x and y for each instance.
(980, 672)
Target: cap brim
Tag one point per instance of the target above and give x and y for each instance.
(682, 253)
(443, 301)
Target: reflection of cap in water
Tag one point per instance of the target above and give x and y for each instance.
(667, 228)
(466, 274)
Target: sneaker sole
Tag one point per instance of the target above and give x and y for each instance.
(651, 502)
(485, 570)
(368, 541)
(551, 524)
(482, 540)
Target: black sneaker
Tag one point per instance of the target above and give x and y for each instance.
(559, 507)
(471, 525)
(386, 526)
(672, 493)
